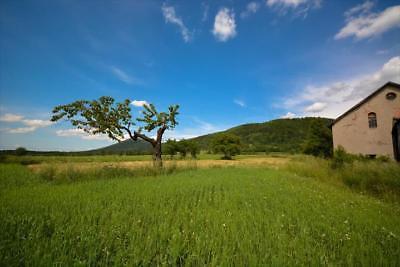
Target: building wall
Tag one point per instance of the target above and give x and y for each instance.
(352, 132)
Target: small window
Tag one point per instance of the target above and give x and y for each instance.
(390, 96)
(372, 120)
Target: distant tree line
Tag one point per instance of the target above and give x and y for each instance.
(307, 135)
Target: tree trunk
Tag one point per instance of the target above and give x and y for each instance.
(157, 159)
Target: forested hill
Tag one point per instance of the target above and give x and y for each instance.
(281, 135)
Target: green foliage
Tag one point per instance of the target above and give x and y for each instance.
(227, 144)
(282, 135)
(212, 217)
(319, 140)
(372, 176)
(170, 147)
(154, 119)
(101, 116)
(193, 149)
(185, 147)
(21, 151)
(340, 157)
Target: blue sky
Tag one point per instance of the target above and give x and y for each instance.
(225, 62)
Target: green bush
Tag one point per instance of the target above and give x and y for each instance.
(319, 140)
(340, 157)
(227, 144)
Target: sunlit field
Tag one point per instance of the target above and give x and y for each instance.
(255, 210)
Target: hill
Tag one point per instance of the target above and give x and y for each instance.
(127, 146)
(281, 135)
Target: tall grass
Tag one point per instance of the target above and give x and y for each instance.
(72, 173)
(380, 178)
(213, 217)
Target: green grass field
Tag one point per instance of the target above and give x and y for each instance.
(238, 215)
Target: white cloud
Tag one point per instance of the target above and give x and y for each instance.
(139, 103)
(32, 124)
(251, 8)
(299, 7)
(21, 130)
(171, 17)
(123, 76)
(37, 123)
(288, 3)
(367, 24)
(81, 133)
(361, 8)
(316, 107)
(199, 128)
(289, 115)
(224, 25)
(239, 102)
(8, 117)
(335, 98)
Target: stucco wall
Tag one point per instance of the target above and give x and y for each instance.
(353, 133)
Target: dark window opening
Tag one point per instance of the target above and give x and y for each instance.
(372, 120)
(372, 156)
(390, 96)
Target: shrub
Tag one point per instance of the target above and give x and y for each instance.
(340, 157)
(170, 148)
(21, 151)
(319, 140)
(227, 144)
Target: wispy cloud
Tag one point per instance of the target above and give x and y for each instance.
(32, 124)
(171, 17)
(289, 115)
(123, 76)
(359, 9)
(81, 133)
(315, 107)
(251, 8)
(361, 23)
(300, 8)
(205, 8)
(139, 103)
(200, 128)
(224, 25)
(8, 117)
(332, 99)
(21, 130)
(239, 102)
(37, 123)
(285, 3)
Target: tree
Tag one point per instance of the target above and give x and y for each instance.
(170, 147)
(319, 141)
(21, 151)
(228, 144)
(104, 116)
(188, 146)
(193, 149)
(182, 148)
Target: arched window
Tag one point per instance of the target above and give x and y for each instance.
(372, 120)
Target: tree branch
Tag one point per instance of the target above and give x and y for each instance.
(143, 137)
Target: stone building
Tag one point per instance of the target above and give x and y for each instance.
(372, 127)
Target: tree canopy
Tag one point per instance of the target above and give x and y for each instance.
(105, 116)
(227, 144)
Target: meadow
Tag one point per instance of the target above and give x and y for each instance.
(253, 211)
